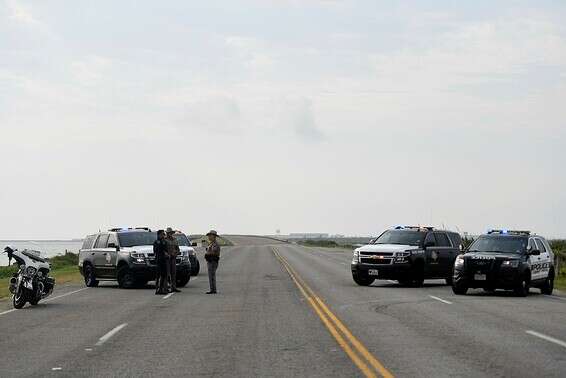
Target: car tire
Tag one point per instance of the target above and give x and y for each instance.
(125, 277)
(196, 270)
(405, 282)
(459, 289)
(140, 284)
(548, 287)
(449, 281)
(89, 277)
(418, 275)
(522, 288)
(183, 280)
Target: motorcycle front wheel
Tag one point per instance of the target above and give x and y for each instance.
(20, 298)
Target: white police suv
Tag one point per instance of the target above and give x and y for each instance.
(505, 259)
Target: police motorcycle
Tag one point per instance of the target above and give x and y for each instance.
(32, 282)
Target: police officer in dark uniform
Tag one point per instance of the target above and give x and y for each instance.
(212, 257)
(161, 260)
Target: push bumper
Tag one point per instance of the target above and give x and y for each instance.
(503, 278)
(384, 272)
(149, 271)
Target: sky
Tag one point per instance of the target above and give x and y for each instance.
(343, 117)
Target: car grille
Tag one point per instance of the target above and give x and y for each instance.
(373, 261)
(481, 266)
(390, 254)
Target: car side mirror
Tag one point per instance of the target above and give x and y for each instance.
(534, 252)
(113, 245)
(193, 244)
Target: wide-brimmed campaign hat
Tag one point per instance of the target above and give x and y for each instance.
(212, 232)
(170, 230)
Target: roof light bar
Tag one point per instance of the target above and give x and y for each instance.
(508, 232)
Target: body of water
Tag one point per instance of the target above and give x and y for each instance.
(47, 248)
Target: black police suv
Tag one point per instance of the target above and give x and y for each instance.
(502, 259)
(408, 254)
(126, 255)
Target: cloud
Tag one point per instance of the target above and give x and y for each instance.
(91, 69)
(251, 52)
(216, 114)
(474, 52)
(21, 13)
(298, 116)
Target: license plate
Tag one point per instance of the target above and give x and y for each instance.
(480, 277)
(373, 272)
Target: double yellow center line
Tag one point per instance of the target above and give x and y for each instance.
(358, 353)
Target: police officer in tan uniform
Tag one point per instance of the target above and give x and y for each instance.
(172, 252)
(212, 257)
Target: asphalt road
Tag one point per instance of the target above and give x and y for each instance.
(284, 310)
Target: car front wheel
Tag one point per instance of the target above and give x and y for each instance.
(183, 280)
(548, 286)
(125, 277)
(90, 278)
(522, 288)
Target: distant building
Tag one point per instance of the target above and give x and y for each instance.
(307, 236)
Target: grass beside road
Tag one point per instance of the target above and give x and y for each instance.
(324, 243)
(63, 268)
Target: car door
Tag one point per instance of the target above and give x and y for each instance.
(446, 254)
(100, 255)
(112, 248)
(543, 259)
(534, 260)
(86, 253)
(432, 256)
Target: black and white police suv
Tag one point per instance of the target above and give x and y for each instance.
(126, 255)
(408, 254)
(502, 259)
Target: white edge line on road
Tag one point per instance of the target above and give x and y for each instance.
(547, 338)
(64, 295)
(7, 312)
(168, 295)
(555, 297)
(107, 337)
(48, 300)
(440, 299)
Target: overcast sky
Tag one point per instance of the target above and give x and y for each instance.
(305, 116)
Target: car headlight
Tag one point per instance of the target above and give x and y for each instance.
(459, 261)
(401, 257)
(511, 263)
(138, 258)
(184, 256)
(356, 257)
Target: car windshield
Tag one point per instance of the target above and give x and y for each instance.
(183, 240)
(131, 239)
(499, 244)
(403, 237)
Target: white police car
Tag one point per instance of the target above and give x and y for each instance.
(505, 259)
